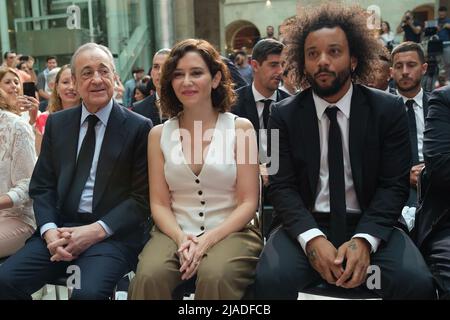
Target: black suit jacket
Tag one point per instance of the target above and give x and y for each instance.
(245, 106)
(379, 153)
(238, 80)
(148, 109)
(435, 208)
(121, 195)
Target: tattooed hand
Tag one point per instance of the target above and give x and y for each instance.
(356, 253)
(322, 254)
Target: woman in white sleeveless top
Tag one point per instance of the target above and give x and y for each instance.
(204, 184)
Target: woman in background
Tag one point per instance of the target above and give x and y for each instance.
(17, 160)
(11, 84)
(141, 91)
(64, 96)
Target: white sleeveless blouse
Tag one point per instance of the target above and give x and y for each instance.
(202, 202)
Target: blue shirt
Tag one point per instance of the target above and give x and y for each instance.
(130, 85)
(444, 33)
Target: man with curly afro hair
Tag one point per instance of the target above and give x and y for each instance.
(343, 175)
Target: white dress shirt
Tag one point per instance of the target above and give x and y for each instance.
(260, 108)
(87, 195)
(322, 203)
(420, 119)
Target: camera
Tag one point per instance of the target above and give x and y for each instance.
(431, 28)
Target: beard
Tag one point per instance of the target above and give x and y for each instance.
(412, 87)
(339, 80)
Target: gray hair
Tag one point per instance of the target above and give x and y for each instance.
(51, 76)
(91, 46)
(165, 51)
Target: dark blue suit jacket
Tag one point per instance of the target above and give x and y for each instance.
(121, 194)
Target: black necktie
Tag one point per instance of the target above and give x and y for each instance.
(412, 131)
(266, 112)
(338, 208)
(83, 167)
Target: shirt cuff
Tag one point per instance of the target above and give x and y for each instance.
(307, 236)
(47, 227)
(14, 197)
(374, 242)
(107, 229)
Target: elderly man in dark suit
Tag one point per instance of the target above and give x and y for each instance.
(433, 218)
(343, 178)
(90, 190)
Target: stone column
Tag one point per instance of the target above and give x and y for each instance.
(163, 22)
(4, 34)
(184, 19)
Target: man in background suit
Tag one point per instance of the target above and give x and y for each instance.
(236, 77)
(381, 72)
(90, 190)
(433, 217)
(255, 100)
(150, 107)
(408, 69)
(344, 160)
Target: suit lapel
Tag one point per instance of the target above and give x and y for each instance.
(113, 140)
(68, 155)
(251, 109)
(425, 104)
(310, 133)
(281, 95)
(154, 111)
(359, 115)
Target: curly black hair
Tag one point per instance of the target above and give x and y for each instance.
(353, 20)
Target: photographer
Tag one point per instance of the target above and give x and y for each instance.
(410, 27)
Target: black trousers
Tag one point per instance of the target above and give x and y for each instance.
(284, 270)
(101, 267)
(436, 251)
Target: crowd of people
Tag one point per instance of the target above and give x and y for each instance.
(165, 175)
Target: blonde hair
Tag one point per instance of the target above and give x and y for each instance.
(55, 102)
(4, 99)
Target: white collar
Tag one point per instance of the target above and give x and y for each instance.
(418, 99)
(343, 104)
(102, 114)
(258, 96)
